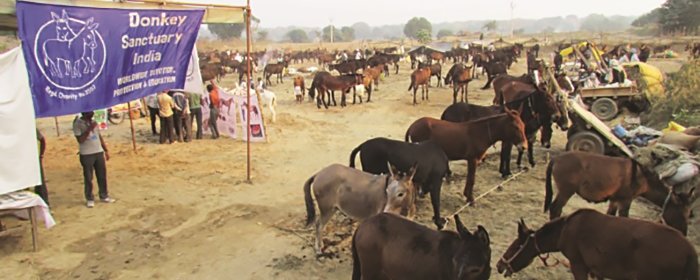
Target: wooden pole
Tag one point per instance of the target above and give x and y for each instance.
(248, 14)
(131, 121)
(58, 132)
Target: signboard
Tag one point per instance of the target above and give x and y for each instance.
(82, 59)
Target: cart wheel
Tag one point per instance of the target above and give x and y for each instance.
(604, 108)
(586, 141)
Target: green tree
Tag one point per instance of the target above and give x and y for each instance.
(490, 26)
(444, 33)
(225, 31)
(347, 33)
(424, 36)
(297, 36)
(652, 17)
(415, 25)
(680, 16)
(326, 34)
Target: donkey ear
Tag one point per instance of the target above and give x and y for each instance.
(463, 232)
(89, 21)
(412, 171)
(392, 170)
(64, 15)
(482, 235)
(93, 26)
(54, 16)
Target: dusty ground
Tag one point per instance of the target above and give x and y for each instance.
(184, 211)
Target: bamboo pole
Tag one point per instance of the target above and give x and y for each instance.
(58, 132)
(131, 121)
(248, 14)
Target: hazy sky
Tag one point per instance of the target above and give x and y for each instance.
(318, 13)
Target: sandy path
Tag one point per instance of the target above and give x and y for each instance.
(185, 212)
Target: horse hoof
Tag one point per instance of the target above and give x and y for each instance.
(440, 222)
(506, 175)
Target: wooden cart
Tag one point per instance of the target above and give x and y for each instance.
(605, 102)
(590, 134)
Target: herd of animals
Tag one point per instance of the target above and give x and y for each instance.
(388, 244)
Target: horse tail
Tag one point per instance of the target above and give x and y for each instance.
(413, 81)
(548, 186)
(356, 265)
(310, 208)
(353, 154)
(408, 135)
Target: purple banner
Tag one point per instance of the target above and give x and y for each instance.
(83, 59)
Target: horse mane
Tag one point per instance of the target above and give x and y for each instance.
(556, 224)
(488, 118)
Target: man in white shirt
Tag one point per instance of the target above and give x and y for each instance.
(93, 157)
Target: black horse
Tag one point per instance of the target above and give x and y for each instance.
(432, 164)
(493, 69)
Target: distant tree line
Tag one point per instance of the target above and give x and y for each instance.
(674, 16)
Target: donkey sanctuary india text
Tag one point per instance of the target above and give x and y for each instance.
(136, 20)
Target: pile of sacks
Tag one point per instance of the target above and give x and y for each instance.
(676, 167)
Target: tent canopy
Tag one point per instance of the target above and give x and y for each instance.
(212, 14)
(434, 47)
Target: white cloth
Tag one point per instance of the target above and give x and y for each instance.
(19, 163)
(297, 90)
(193, 81)
(25, 199)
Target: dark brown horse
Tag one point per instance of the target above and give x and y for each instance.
(605, 246)
(324, 82)
(274, 69)
(459, 76)
(596, 178)
(470, 140)
(533, 108)
(387, 246)
(420, 77)
(493, 69)
(348, 67)
(675, 212)
(435, 70)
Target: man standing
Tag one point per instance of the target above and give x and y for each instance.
(93, 156)
(165, 111)
(214, 105)
(182, 117)
(195, 100)
(152, 104)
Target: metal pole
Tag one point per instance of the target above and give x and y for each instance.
(131, 121)
(248, 43)
(58, 132)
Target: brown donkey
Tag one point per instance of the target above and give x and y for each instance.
(420, 77)
(470, 140)
(358, 194)
(596, 178)
(605, 246)
(387, 246)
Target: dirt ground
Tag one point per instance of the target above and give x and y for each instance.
(184, 211)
